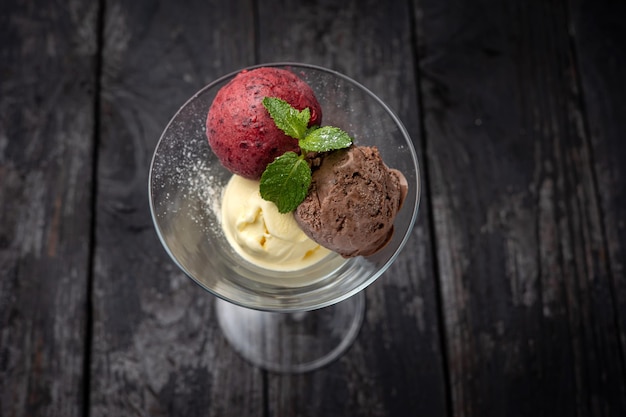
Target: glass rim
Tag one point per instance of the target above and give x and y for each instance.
(356, 288)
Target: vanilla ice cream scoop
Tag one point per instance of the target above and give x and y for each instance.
(262, 235)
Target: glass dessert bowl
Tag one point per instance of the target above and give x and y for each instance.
(265, 313)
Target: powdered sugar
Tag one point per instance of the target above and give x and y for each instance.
(202, 186)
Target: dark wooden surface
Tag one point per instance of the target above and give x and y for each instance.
(509, 299)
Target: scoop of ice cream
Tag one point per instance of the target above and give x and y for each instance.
(262, 235)
(352, 202)
(241, 132)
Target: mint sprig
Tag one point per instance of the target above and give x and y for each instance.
(286, 180)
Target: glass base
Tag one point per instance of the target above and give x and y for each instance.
(292, 342)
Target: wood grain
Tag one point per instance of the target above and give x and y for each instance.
(510, 298)
(47, 72)
(599, 36)
(157, 348)
(395, 367)
(520, 241)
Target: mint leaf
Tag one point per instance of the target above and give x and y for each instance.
(324, 139)
(288, 119)
(285, 182)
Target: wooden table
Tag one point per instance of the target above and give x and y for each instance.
(509, 300)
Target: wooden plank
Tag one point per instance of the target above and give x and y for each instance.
(599, 39)
(47, 68)
(157, 348)
(520, 243)
(395, 367)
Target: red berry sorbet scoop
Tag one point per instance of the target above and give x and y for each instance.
(241, 132)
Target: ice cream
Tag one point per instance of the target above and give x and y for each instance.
(352, 202)
(241, 132)
(262, 235)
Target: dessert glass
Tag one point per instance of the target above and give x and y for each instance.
(286, 321)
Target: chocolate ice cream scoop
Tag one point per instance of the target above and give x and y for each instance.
(352, 202)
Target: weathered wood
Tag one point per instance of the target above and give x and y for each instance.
(599, 35)
(523, 109)
(526, 288)
(47, 79)
(395, 367)
(157, 348)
